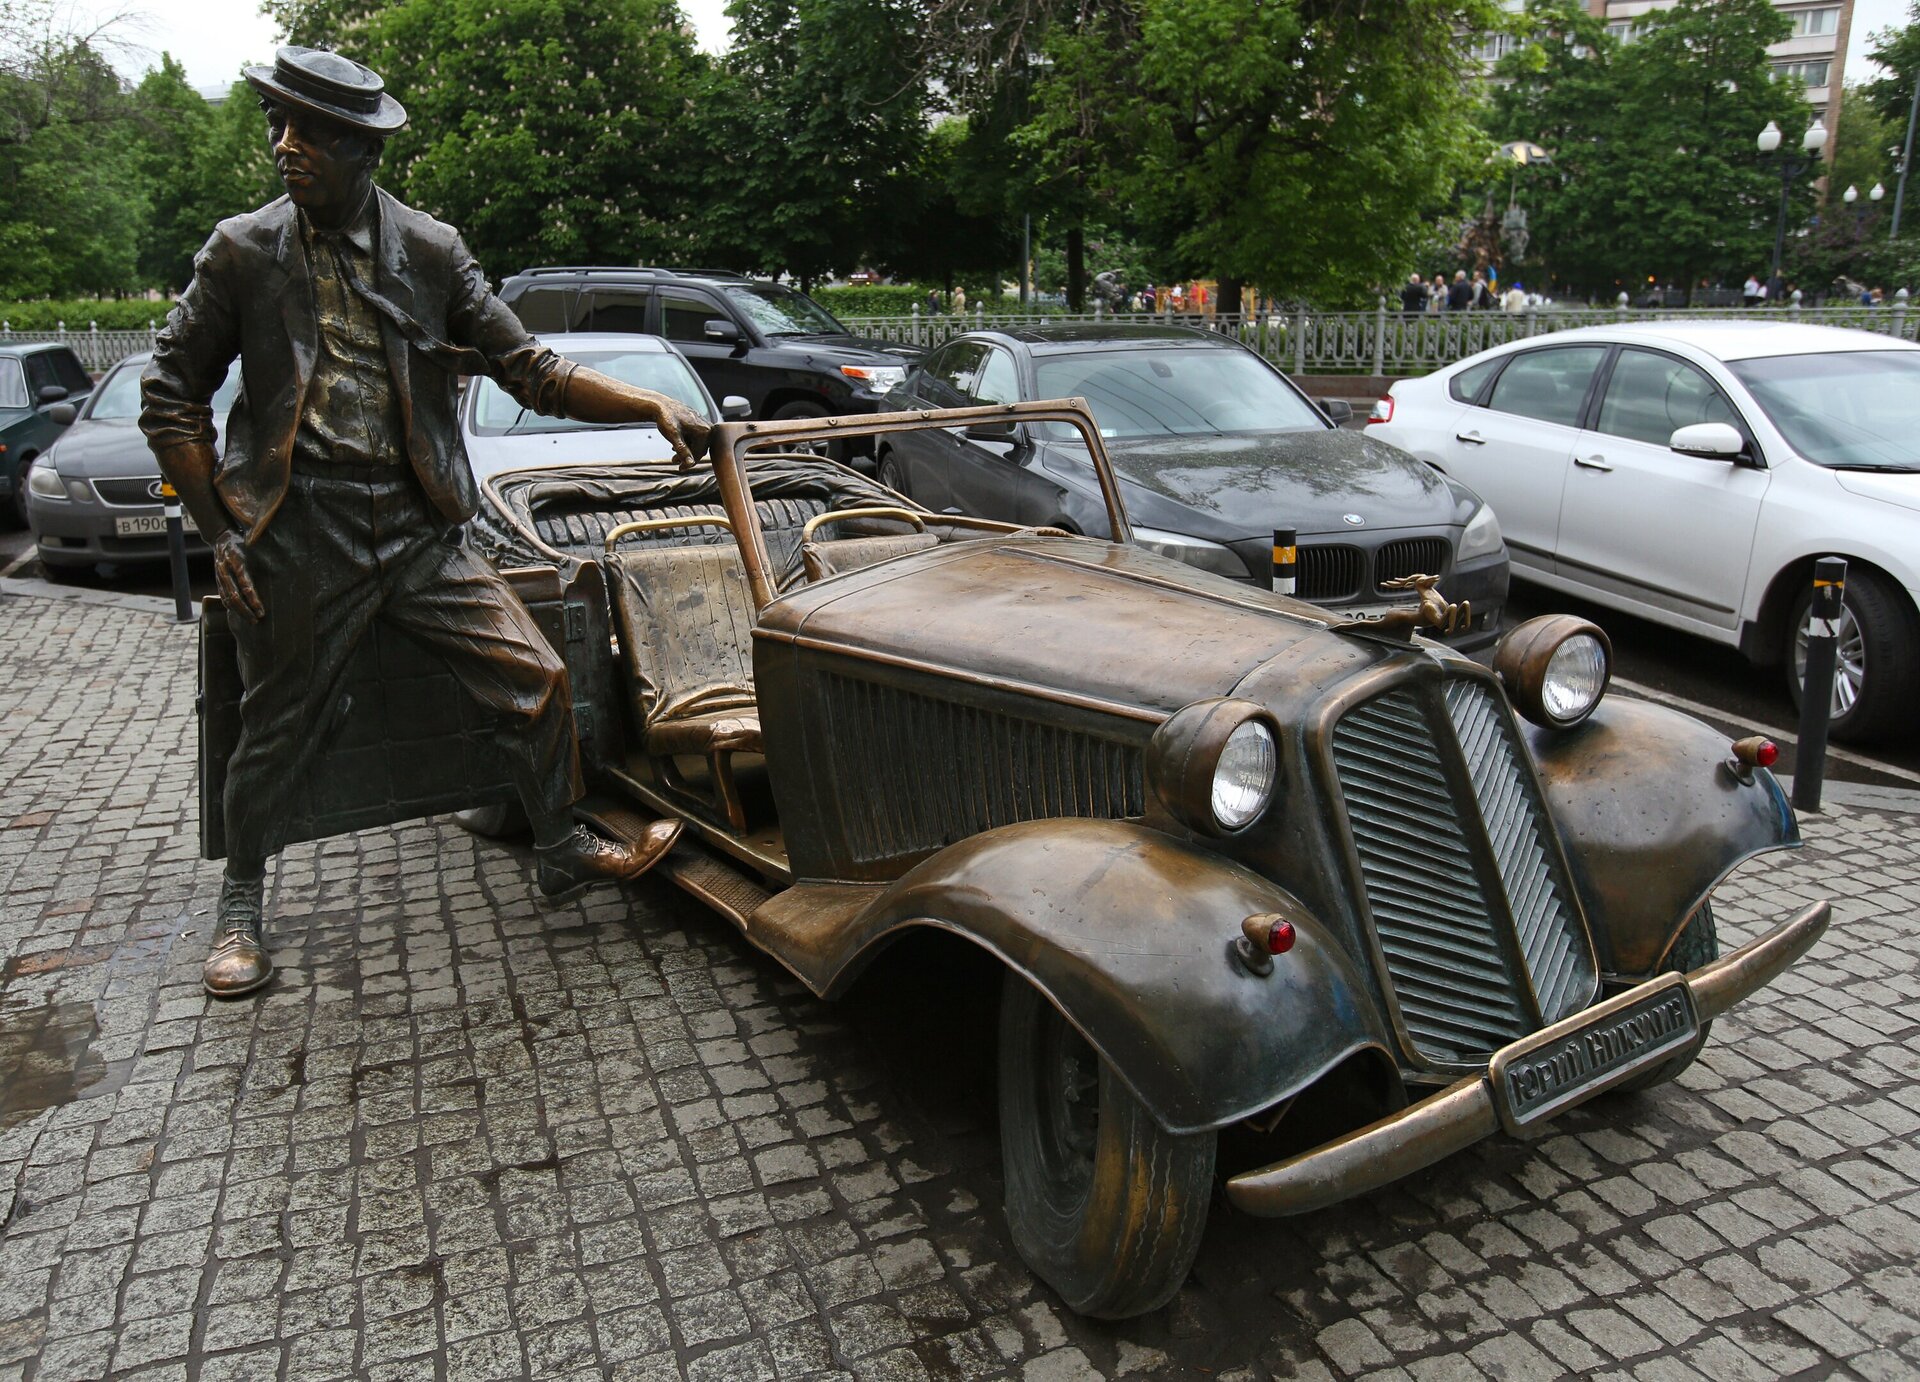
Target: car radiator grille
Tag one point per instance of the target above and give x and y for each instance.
(128, 490)
(1410, 556)
(1329, 573)
(933, 772)
(1465, 955)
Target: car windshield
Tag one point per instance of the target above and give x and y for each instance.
(780, 311)
(496, 413)
(1855, 410)
(119, 396)
(13, 385)
(1203, 391)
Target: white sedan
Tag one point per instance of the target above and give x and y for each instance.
(1691, 472)
(501, 435)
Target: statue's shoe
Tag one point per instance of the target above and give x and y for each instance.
(239, 963)
(584, 858)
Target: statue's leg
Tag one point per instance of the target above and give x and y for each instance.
(319, 585)
(455, 603)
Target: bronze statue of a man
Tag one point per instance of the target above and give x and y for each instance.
(344, 487)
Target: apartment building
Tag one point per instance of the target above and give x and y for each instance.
(1815, 52)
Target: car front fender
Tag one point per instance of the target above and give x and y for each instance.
(1652, 817)
(1128, 932)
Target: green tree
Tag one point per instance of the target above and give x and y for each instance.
(175, 126)
(1897, 50)
(1655, 172)
(1295, 145)
(547, 130)
(803, 130)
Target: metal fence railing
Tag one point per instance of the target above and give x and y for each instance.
(98, 350)
(1383, 341)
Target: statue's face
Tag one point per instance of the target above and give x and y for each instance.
(324, 163)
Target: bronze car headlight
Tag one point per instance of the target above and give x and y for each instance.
(1556, 669)
(1214, 764)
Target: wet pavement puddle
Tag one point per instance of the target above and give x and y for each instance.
(47, 1058)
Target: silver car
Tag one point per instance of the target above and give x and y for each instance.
(93, 497)
(501, 435)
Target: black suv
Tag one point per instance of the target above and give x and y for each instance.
(776, 347)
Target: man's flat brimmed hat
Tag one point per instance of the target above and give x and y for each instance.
(318, 80)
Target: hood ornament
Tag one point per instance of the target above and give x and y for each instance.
(1353, 520)
(1431, 610)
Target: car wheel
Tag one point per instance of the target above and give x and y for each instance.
(1105, 1205)
(1699, 944)
(891, 477)
(506, 820)
(15, 513)
(1876, 659)
(788, 412)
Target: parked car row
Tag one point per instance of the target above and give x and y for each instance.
(1689, 474)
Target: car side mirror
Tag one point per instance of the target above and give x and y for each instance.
(51, 393)
(1338, 410)
(62, 414)
(1002, 432)
(721, 330)
(1717, 441)
(733, 407)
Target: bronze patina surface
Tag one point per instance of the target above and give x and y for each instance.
(342, 495)
(917, 723)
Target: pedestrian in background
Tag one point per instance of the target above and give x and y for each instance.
(959, 300)
(1413, 297)
(1460, 295)
(1482, 293)
(1751, 293)
(1516, 298)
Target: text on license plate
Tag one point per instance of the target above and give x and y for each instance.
(148, 525)
(1535, 1079)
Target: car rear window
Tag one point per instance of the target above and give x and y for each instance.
(1550, 385)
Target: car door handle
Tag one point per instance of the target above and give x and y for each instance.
(1592, 463)
(1470, 438)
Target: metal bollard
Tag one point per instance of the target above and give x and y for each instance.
(177, 554)
(1816, 692)
(1285, 557)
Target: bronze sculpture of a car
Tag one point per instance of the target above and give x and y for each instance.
(1242, 864)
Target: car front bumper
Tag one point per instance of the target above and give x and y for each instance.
(1471, 1110)
(74, 535)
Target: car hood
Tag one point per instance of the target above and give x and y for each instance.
(1249, 485)
(491, 455)
(1116, 624)
(104, 448)
(1903, 490)
(851, 350)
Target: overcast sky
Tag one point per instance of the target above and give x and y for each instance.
(215, 38)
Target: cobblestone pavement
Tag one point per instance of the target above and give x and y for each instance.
(463, 1137)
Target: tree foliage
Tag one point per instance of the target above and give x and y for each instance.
(1655, 172)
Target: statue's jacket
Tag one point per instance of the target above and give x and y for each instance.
(252, 296)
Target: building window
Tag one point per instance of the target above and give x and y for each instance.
(1813, 23)
(1812, 71)
(1493, 47)
(1625, 30)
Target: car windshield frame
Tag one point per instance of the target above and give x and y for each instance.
(1771, 381)
(13, 383)
(1079, 374)
(493, 401)
(763, 304)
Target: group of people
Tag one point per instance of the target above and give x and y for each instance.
(1463, 294)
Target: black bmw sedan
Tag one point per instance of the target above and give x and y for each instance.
(1216, 450)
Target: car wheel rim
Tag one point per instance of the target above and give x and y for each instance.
(1849, 660)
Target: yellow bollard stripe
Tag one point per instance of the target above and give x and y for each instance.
(1284, 556)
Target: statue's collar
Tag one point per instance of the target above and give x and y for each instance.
(360, 229)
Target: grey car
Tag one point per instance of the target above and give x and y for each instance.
(93, 498)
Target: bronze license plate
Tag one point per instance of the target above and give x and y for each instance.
(1575, 1059)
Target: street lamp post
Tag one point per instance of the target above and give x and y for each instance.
(1852, 198)
(1813, 141)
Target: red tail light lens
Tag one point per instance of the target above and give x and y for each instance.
(1382, 411)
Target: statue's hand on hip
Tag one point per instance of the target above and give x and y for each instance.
(230, 570)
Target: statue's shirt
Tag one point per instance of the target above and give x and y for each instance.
(350, 416)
